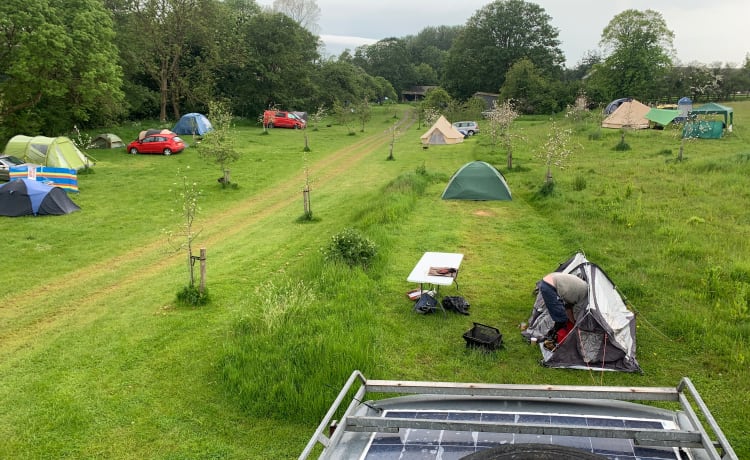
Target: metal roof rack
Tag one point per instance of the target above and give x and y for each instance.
(710, 440)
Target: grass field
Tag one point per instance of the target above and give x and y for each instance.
(98, 361)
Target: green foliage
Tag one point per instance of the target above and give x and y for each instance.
(59, 67)
(482, 45)
(637, 40)
(191, 296)
(218, 144)
(621, 146)
(529, 90)
(351, 247)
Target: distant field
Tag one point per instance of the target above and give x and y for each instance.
(97, 360)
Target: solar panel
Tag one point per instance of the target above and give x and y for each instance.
(426, 444)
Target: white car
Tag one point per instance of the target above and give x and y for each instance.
(467, 128)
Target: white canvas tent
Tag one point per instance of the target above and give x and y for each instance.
(441, 133)
(630, 114)
(603, 337)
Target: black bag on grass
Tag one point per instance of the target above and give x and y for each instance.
(425, 304)
(457, 304)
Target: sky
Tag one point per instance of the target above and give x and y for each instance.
(705, 31)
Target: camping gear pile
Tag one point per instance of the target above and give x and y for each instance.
(603, 336)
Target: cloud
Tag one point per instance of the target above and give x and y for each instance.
(335, 44)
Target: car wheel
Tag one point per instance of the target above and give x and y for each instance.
(470, 133)
(167, 151)
(133, 151)
(270, 125)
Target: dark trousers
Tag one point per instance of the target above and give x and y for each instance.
(555, 305)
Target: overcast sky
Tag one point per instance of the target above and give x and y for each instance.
(706, 31)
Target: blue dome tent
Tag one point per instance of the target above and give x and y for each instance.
(26, 197)
(195, 124)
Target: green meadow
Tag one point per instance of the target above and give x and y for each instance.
(98, 360)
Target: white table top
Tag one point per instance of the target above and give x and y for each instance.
(420, 273)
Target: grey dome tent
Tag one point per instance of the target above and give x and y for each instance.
(477, 180)
(26, 197)
(603, 337)
(107, 141)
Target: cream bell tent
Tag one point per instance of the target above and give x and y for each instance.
(57, 152)
(441, 133)
(630, 114)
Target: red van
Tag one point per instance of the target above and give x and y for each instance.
(280, 119)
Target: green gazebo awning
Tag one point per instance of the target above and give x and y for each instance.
(662, 116)
(713, 108)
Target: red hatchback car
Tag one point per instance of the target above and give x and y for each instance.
(159, 143)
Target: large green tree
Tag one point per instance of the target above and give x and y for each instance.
(388, 58)
(276, 66)
(530, 91)
(169, 47)
(58, 66)
(638, 52)
(496, 37)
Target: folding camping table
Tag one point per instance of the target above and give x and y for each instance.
(436, 269)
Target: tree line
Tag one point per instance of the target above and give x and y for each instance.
(98, 62)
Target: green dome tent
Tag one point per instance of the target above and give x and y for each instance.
(57, 152)
(477, 181)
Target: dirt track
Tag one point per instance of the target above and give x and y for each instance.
(89, 286)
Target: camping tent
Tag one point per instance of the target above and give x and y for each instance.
(612, 106)
(477, 180)
(107, 141)
(442, 132)
(630, 114)
(713, 108)
(603, 337)
(150, 132)
(193, 123)
(703, 129)
(57, 152)
(25, 197)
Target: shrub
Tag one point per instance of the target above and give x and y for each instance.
(351, 247)
(622, 146)
(191, 296)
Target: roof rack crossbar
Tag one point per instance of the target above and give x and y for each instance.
(525, 391)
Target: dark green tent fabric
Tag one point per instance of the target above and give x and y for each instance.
(703, 129)
(477, 181)
(662, 116)
(713, 108)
